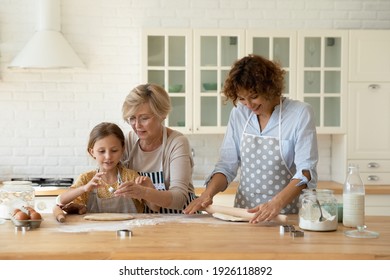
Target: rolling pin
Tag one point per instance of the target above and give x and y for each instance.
(58, 214)
(242, 213)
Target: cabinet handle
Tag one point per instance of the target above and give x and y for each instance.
(372, 178)
(374, 86)
(372, 165)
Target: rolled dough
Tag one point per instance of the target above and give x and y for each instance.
(240, 213)
(108, 217)
(230, 218)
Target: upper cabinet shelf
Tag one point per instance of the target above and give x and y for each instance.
(322, 76)
(192, 66)
(214, 53)
(167, 61)
(279, 46)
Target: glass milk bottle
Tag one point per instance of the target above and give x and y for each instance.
(353, 198)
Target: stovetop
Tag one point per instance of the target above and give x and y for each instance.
(47, 182)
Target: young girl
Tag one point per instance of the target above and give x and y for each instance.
(95, 189)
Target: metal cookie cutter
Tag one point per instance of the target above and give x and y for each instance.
(297, 233)
(286, 228)
(122, 233)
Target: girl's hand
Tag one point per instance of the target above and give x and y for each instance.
(95, 182)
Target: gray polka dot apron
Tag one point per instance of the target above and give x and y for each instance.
(263, 170)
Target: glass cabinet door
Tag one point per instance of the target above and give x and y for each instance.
(167, 62)
(278, 46)
(214, 53)
(322, 77)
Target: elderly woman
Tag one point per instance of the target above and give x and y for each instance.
(270, 138)
(156, 152)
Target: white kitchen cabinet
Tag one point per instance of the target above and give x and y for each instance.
(279, 46)
(315, 63)
(375, 205)
(322, 76)
(368, 135)
(369, 121)
(369, 131)
(373, 171)
(193, 77)
(369, 56)
(167, 61)
(214, 53)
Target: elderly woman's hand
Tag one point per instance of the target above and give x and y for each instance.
(136, 189)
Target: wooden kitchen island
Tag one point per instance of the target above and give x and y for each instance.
(185, 237)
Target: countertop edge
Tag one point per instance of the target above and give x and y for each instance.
(337, 188)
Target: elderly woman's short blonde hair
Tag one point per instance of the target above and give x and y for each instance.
(153, 94)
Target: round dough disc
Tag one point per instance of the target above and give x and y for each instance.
(108, 217)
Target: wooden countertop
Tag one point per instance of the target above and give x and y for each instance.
(187, 238)
(337, 188)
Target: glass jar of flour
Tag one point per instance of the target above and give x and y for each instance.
(15, 194)
(318, 210)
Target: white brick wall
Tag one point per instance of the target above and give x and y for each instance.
(46, 115)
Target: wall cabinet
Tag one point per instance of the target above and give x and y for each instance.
(322, 76)
(369, 102)
(280, 46)
(214, 53)
(369, 56)
(193, 64)
(167, 61)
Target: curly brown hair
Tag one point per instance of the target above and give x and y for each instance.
(255, 74)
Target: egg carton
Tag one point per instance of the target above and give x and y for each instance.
(30, 224)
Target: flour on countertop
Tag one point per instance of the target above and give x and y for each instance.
(140, 220)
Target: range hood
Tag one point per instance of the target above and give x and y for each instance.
(48, 47)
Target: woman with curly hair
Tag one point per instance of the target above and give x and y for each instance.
(271, 139)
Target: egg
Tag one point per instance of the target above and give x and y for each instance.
(16, 210)
(29, 210)
(21, 216)
(35, 216)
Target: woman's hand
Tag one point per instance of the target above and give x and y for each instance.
(94, 182)
(136, 189)
(265, 212)
(198, 204)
